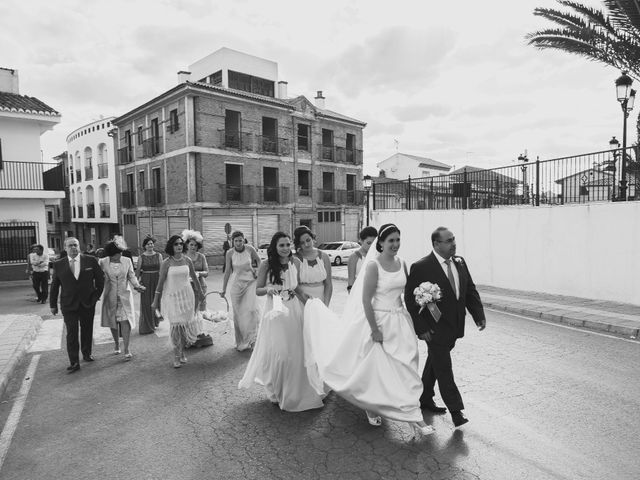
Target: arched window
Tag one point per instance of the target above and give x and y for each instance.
(91, 207)
(88, 164)
(105, 209)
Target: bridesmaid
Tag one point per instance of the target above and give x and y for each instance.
(193, 242)
(315, 267)
(367, 237)
(242, 261)
(148, 271)
(117, 299)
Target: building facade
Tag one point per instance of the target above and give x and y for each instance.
(91, 175)
(402, 166)
(227, 149)
(27, 184)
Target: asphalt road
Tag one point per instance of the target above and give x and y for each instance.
(544, 402)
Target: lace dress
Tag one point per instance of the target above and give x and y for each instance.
(277, 361)
(245, 314)
(178, 304)
(381, 378)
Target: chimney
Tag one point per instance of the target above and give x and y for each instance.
(282, 89)
(9, 80)
(319, 100)
(183, 76)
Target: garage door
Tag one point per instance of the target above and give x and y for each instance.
(213, 231)
(144, 229)
(267, 226)
(178, 224)
(159, 227)
(351, 226)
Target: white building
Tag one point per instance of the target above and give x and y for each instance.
(26, 183)
(92, 182)
(402, 166)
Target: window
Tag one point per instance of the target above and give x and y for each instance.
(141, 184)
(269, 135)
(140, 136)
(327, 144)
(249, 83)
(215, 78)
(351, 147)
(1, 154)
(49, 216)
(129, 218)
(15, 239)
(174, 126)
(304, 183)
(303, 137)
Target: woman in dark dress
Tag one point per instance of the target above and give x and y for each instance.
(148, 272)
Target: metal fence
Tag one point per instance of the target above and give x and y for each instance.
(16, 239)
(591, 177)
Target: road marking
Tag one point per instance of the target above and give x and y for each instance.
(49, 337)
(566, 326)
(14, 416)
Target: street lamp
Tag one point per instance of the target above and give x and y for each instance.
(614, 145)
(626, 96)
(367, 183)
(525, 188)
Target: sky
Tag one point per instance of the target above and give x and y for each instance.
(452, 81)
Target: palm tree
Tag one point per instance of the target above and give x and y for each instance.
(611, 36)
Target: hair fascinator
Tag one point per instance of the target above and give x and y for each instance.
(119, 242)
(191, 235)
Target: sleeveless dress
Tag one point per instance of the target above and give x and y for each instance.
(245, 315)
(312, 277)
(277, 361)
(200, 265)
(149, 274)
(340, 354)
(178, 305)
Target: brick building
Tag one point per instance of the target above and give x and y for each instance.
(228, 146)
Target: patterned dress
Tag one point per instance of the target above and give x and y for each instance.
(178, 305)
(149, 274)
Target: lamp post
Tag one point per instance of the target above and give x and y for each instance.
(626, 96)
(614, 145)
(525, 188)
(366, 183)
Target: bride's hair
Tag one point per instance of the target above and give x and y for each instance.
(275, 267)
(385, 230)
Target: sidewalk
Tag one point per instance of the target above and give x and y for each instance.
(612, 317)
(16, 333)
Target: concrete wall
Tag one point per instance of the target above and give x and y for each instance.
(581, 250)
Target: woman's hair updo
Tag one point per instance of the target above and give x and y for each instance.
(385, 230)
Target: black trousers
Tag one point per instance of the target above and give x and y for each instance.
(79, 321)
(40, 282)
(438, 367)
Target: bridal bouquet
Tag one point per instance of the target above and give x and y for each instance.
(427, 294)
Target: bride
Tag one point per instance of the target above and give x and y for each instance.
(370, 355)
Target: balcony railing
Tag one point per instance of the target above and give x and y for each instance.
(272, 194)
(30, 176)
(236, 139)
(346, 155)
(91, 210)
(88, 173)
(80, 211)
(326, 196)
(105, 210)
(103, 170)
(351, 197)
(236, 193)
(125, 155)
(154, 197)
(273, 145)
(78, 175)
(127, 199)
(327, 152)
(151, 147)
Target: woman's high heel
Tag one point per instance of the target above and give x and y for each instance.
(421, 431)
(176, 361)
(375, 420)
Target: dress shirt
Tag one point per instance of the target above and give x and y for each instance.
(454, 270)
(39, 263)
(76, 266)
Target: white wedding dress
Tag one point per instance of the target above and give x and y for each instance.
(340, 354)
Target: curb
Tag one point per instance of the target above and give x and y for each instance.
(19, 352)
(567, 319)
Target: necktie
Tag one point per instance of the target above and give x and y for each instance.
(72, 266)
(452, 280)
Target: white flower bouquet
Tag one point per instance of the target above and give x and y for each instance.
(427, 294)
(215, 316)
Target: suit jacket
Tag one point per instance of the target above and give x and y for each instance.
(85, 291)
(451, 323)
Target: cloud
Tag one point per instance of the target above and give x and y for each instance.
(412, 113)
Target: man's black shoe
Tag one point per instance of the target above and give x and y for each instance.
(88, 358)
(432, 407)
(73, 367)
(458, 418)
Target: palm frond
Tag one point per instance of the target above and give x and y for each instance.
(625, 13)
(561, 18)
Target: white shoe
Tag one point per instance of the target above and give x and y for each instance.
(376, 421)
(422, 431)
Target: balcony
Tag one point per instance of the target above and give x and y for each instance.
(273, 145)
(88, 173)
(346, 155)
(151, 147)
(105, 210)
(30, 176)
(80, 212)
(327, 152)
(272, 194)
(154, 197)
(103, 170)
(236, 193)
(125, 155)
(326, 196)
(351, 197)
(78, 175)
(236, 139)
(127, 199)
(91, 210)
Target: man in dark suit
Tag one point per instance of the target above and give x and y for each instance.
(82, 282)
(451, 274)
